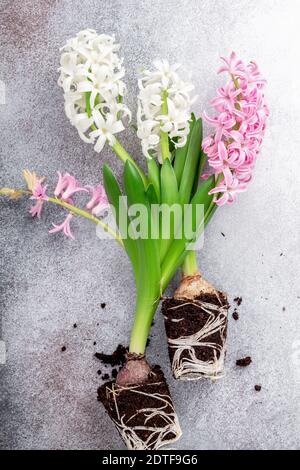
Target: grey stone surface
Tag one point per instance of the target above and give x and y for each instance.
(48, 398)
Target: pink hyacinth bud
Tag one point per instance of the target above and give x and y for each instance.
(98, 202)
(67, 186)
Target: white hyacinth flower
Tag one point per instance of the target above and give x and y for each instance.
(164, 108)
(91, 75)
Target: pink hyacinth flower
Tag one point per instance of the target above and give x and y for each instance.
(98, 202)
(67, 186)
(233, 65)
(64, 227)
(232, 149)
(229, 188)
(39, 194)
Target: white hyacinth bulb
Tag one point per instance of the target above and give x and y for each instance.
(164, 107)
(91, 75)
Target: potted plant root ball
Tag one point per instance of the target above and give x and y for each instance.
(196, 326)
(140, 405)
(196, 317)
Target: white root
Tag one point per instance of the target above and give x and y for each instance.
(157, 435)
(185, 364)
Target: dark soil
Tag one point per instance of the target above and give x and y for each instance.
(75, 325)
(130, 400)
(257, 388)
(238, 301)
(116, 360)
(63, 349)
(103, 305)
(246, 361)
(235, 315)
(118, 357)
(191, 320)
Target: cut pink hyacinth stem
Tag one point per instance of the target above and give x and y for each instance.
(16, 193)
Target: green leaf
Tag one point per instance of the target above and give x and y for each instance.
(149, 255)
(169, 196)
(151, 194)
(181, 152)
(169, 187)
(191, 163)
(176, 252)
(114, 195)
(148, 290)
(154, 176)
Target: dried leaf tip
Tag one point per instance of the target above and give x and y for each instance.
(32, 179)
(11, 193)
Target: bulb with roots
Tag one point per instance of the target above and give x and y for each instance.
(196, 327)
(135, 371)
(140, 405)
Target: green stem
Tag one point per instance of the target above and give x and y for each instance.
(117, 147)
(144, 314)
(164, 138)
(189, 265)
(124, 156)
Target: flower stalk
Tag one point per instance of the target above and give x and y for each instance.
(164, 138)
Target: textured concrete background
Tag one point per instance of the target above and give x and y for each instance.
(48, 398)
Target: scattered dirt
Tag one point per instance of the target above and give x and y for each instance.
(94, 343)
(112, 362)
(134, 405)
(257, 388)
(235, 315)
(63, 349)
(238, 301)
(246, 361)
(117, 358)
(223, 234)
(75, 325)
(192, 319)
(103, 305)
